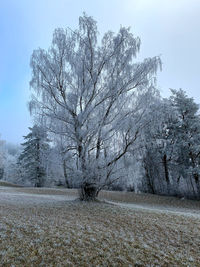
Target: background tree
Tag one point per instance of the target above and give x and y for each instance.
(187, 128)
(2, 158)
(171, 152)
(87, 90)
(32, 157)
(11, 170)
(65, 156)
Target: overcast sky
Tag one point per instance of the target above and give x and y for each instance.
(169, 28)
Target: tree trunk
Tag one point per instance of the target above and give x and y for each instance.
(165, 164)
(149, 181)
(65, 174)
(88, 192)
(196, 178)
(1, 173)
(192, 186)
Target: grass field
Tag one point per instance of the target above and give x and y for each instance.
(49, 227)
(7, 184)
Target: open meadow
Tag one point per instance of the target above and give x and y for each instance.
(50, 227)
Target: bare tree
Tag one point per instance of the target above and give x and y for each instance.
(88, 91)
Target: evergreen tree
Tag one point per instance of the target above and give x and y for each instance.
(32, 157)
(171, 157)
(187, 128)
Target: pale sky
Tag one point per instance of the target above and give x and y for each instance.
(169, 28)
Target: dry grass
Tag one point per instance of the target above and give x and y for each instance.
(151, 200)
(7, 184)
(72, 233)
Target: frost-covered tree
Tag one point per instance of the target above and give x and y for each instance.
(65, 156)
(159, 148)
(32, 158)
(11, 170)
(187, 129)
(2, 158)
(87, 89)
(171, 155)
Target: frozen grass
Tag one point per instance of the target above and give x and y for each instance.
(56, 231)
(154, 203)
(151, 200)
(7, 184)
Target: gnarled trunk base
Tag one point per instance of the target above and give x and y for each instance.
(88, 192)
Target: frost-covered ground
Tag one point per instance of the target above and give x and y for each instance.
(49, 227)
(33, 197)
